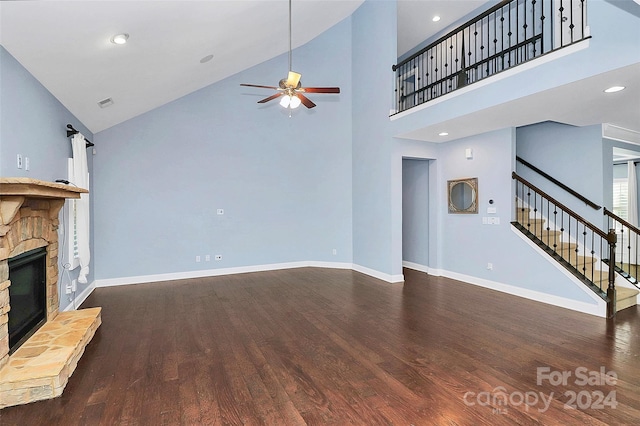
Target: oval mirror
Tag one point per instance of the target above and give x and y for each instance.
(463, 195)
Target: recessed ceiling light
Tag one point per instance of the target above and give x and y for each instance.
(119, 38)
(614, 89)
(435, 18)
(206, 59)
(443, 134)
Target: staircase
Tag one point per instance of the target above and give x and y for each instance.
(587, 267)
(578, 245)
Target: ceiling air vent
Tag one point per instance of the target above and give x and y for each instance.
(105, 103)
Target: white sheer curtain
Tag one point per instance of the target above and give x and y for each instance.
(81, 179)
(632, 210)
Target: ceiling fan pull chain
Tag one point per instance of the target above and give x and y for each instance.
(289, 35)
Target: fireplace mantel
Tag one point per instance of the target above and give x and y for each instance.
(35, 188)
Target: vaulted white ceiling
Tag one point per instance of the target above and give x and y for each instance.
(66, 46)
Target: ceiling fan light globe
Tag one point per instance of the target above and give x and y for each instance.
(285, 101)
(294, 102)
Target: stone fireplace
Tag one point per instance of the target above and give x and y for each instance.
(40, 368)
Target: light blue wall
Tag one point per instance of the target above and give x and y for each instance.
(415, 211)
(284, 183)
(33, 124)
(572, 155)
(374, 50)
(460, 244)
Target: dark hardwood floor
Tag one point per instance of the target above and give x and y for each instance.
(322, 346)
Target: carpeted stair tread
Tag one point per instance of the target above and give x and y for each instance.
(625, 298)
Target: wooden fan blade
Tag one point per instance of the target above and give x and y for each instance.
(320, 89)
(305, 101)
(293, 79)
(270, 98)
(257, 85)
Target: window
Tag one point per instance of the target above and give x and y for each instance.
(621, 198)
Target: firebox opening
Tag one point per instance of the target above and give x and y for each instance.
(27, 296)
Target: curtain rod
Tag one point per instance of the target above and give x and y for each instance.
(73, 131)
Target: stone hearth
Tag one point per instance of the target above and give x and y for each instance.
(40, 368)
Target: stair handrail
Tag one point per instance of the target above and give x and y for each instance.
(617, 218)
(558, 183)
(610, 238)
(591, 226)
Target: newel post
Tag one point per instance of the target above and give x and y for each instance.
(611, 289)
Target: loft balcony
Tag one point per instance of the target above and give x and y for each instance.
(507, 35)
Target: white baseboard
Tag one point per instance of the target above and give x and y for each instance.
(599, 308)
(422, 268)
(415, 266)
(377, 274)
(81, 297)
(141, 279)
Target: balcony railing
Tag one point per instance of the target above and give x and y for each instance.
(509, 34)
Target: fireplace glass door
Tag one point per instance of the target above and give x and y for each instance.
(27, 296)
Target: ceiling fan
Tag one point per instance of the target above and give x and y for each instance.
(290, 88)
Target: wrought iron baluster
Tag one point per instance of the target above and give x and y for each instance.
(569, 236)
(561, 10)
(524, 27)
(495, 44)
(583, 24)
(602, 254)
(635, 259)
(555, 227)
(542, 39)
(571, 25)
(502, 37)
(562, 229)
(593, 259)
(584, 244)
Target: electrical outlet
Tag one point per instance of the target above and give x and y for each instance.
(218, 257)
(207, 258)
(220, 211)
(67, 289)
(197, 258)
(490, 266)
(19, 161)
